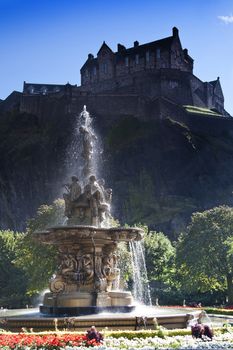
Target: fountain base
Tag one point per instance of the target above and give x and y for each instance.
(85, 303)
(82, 311)
(168, 318)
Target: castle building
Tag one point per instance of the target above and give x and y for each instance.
(153, 71)
(164, 53)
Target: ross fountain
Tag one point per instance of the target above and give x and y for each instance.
(84, 284)
(87, 268)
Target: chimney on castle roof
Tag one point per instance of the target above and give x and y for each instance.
(185, 52)
(175, 32)
(135, 44)
(120, 48)
(90, 56)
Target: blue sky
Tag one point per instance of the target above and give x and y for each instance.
(47, 41)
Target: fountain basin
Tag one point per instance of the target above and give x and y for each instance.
(73, 234)
(170, 319)
(87, 270)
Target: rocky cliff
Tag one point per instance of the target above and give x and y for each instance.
(161, 168)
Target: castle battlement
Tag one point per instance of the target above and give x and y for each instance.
(159, 69)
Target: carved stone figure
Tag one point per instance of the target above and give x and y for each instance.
(87, 268)
(74, 191)
(95, 195)
(88, 137)
(107, 192)
(69, 266)
(107, 199)
(109, 269)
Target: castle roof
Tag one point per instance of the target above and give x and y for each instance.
(104, 47)
(214, 82)
(217, 87)
(162, 44)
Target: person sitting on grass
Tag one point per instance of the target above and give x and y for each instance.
(92, 333)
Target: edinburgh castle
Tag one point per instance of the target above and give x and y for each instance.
(146, 78)
(167, 141)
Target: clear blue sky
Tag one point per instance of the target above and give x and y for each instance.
(47, 41)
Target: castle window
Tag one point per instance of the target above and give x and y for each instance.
(31, 89)
(94, 71)
(158, 53)
(86, 73)
(105, 68)
(147, 56)
(173, 84)
(44, 90)
(137, 59)
(127, 61)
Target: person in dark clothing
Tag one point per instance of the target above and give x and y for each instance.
(201, 331)
(92, 333)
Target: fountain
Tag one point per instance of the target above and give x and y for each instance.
(84, 284)
(87, 259)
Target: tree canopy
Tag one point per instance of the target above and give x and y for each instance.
(13, 282)
(160, 256)
(38, 261)
(205, 251)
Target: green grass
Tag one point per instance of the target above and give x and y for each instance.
(217, 311)
(200, 110)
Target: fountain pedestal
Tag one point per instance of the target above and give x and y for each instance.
(87, 270)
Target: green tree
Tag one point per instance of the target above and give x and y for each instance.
(12, 279)
(38, 261)
(160, 256)
(205, 252)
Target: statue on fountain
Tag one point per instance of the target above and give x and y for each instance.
(74, 190)
(90, 206)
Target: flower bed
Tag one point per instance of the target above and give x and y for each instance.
(176, 342)
(23, 341)
(138, 340)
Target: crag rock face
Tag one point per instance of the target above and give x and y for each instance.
(165, 170)
(160, 168)
(30, 151)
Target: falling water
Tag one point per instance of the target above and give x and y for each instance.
(82, 155)
(82, 160)
(141, 289)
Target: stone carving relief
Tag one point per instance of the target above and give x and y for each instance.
(78, 269)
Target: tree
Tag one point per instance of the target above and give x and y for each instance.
(38, 261)
(13, 281)
(205, 252)
(159, 257)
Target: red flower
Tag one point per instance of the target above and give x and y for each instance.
(47, 341)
